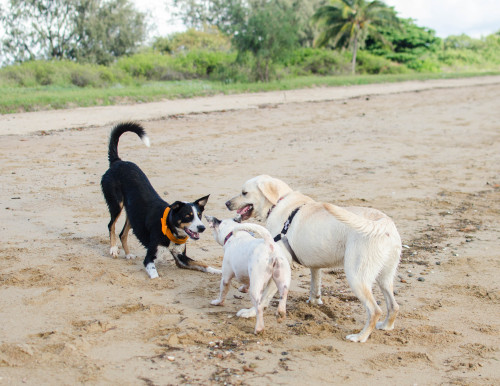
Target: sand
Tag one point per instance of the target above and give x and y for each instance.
(427, 154)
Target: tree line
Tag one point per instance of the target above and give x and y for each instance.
(257, 34)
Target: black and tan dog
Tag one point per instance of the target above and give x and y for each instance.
(153, 221)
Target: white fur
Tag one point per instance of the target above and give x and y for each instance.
(364, 240)
(196, 221)
(114, 251)
(146, 140)
(214, 270)
(253, 259)
(151, 270)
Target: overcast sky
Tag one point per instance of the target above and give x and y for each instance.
(475, 18)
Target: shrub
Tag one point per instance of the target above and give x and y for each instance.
(191, 65)
(368, 63)
(424, 63)
(210, 39)
(60, 73)
(317, 61)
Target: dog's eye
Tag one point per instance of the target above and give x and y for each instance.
(244, 193)
(199, 215)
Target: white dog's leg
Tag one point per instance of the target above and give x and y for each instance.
(243, 288)
(268, 294)
(315, 292)
(247, 312)
(260, 277)
(224, 288)
(256, 296)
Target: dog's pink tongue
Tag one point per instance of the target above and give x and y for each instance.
(242, 210)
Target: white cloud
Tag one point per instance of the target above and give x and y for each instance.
(452, 17)
(159, 13)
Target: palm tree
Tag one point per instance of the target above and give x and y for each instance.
(347, 23)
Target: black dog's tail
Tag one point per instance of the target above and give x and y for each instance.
(118, 131)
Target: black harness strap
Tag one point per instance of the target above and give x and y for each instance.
(282, 235)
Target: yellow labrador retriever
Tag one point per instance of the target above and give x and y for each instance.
(320, 235)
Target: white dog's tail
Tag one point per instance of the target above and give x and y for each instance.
(257, 231)
(361, 224)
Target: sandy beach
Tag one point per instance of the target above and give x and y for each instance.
(425, 153)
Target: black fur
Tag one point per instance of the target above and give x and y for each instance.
(125, 185)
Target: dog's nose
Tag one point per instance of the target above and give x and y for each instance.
(228, 204)
(201, 228)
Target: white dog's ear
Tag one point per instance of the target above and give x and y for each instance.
(213, 222)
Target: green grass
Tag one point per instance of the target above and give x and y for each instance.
(21, 99)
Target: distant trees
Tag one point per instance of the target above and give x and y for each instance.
(236, 40)
(268, 33)
(95, 31)
(347, 23)
(266, 29)
(408, 44)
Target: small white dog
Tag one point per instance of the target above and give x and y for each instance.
(252, 256)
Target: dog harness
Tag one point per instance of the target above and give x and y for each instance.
(167, 232)
(228, 237)
(282, 235)
(231, 233)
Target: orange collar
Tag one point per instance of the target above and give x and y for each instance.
(167, 232)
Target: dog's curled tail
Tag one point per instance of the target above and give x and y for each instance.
(117, 131)
(363, 225)
(257, 231)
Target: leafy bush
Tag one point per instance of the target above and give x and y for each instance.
(191, 65)
(372, 64)
(317, 61)
(201, 63)
(210, 39)
(148, 65)
(459, 57)
(462, 42)
(60, 73)
(425, 63)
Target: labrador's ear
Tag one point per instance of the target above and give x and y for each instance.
(213, 222)
(269, 190)
(201, 202)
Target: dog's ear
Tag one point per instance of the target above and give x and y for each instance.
(272, 188)
(176, 205)
(201, 202)
(213, 222)
(269, 190)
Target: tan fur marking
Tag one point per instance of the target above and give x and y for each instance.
(124, 238)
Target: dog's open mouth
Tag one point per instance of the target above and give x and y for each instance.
(190, 233)
(246, 212)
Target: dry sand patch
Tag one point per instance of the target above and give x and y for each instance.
(70, 313)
